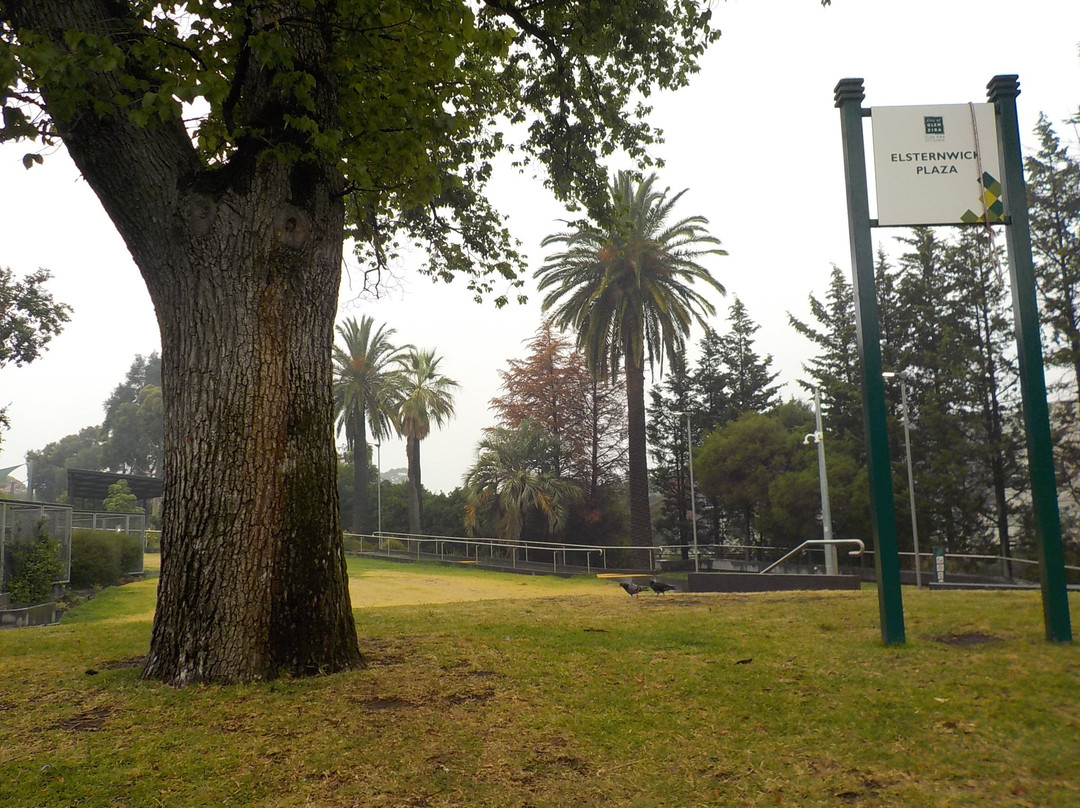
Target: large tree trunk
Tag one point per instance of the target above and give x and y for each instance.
(640, 515)
(242, 263)
(253, 577)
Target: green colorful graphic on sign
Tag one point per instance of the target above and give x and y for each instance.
(995, 207)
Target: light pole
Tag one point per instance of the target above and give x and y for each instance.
(378, 485)
(818, 437)
(693, 507)
(910, 474)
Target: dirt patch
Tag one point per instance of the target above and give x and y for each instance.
(466, 698)
(86, 721)
(386, 704)
(967, 639)
(117, 664)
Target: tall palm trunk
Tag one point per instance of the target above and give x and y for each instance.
(415, 490)
(640, 516)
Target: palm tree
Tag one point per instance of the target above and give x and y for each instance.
(425, 397)
(625, 289)
(509, 481)
(365, 395)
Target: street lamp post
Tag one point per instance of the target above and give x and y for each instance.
(693, 506)
(378, 486)
(910, 473)
(818, 437)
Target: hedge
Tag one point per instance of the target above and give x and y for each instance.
(103, 557)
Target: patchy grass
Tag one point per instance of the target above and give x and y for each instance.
(508, 691)
(375, 583)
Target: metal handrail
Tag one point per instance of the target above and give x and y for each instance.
(534, 543)
(474, 544)
(861, 548)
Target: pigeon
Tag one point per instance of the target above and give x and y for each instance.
(630, 587)
(659, 587)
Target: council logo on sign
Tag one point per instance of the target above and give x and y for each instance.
(934, 124)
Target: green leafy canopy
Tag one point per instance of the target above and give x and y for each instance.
(410, 100)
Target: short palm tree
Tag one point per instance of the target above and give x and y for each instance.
(626, 290)
(426, 397)
(365, 396)
(509, 482)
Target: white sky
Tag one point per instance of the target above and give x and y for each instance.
(755, 139)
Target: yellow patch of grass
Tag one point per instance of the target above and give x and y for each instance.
(376, 584)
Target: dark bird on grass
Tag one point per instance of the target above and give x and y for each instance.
(659, 587)
(630, 587)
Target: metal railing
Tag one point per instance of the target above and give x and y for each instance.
(513, 553)
(981, 565)
(516, 555)
(860, 548)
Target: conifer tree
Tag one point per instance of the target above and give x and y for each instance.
(994, 440)
(1053, 183)
(750, 381)
(666, 429)
(835, 369)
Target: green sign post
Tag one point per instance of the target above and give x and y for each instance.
(849, 96)
(926, 171)
(1002, 92)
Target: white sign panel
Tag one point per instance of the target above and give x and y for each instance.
(928, 159)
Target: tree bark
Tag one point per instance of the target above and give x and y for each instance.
(640, 514)
(253, 579)
(242, 262)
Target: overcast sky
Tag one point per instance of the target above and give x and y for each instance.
(755, 139)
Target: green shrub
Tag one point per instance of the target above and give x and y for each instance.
(95, 558)
(131, 553)
(35, 564)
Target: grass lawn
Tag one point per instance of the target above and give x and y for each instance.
(485, 689)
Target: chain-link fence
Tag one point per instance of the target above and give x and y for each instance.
(28, 529)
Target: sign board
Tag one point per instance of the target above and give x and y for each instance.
(928, 161)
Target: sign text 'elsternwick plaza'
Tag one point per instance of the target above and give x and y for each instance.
(928, 161)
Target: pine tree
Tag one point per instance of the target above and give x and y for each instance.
(1054, 197)
(711, 384)
(750, 382)
(935, 351)
(835, 370)
(1053, 185)
(666, 429)
(995, 446)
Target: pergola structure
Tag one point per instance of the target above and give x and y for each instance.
(94, 485)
